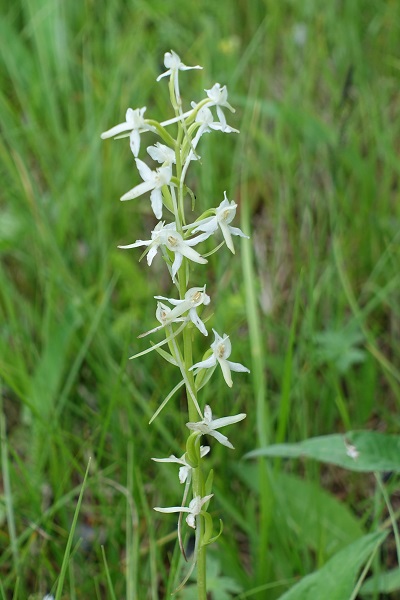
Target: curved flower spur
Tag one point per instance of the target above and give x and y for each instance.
(179, 317)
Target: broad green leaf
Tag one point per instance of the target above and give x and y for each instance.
(356, 450)
(326, 529)
(337, 578)
(384, 583)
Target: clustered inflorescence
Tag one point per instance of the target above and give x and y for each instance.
(176, 241)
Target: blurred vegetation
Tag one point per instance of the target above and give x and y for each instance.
(316, 173)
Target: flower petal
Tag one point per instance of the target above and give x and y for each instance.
(222, 439)
(226, 372)
(151, 254)
(177, 264)
(224, 421)
(170, 459)
(194, 317)
(191, 521)
(205, 364)
(145, 172)
(172, 509)
(136, 244)
(156, 202)
(237, 367)
(116, 130)
(138, 190)
(191, 254)
(237, 231)
(227, 236)
(134, 141)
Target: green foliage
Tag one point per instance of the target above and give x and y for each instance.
(315, 172)
(356, 450)
(383, 583)
(219, 586)
(337, 578)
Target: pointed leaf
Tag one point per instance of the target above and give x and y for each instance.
(383, 583)
(356, 450)
(337, 578)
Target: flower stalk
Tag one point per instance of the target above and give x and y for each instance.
(168, 193)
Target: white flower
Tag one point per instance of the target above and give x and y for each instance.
(163, 316)
(174, 64)
(186, 470)
(152, 180)
(206, 120)
(351, 450)
(224, 214)
(222, 349)
(209, 425)
(48, 597)
(193, 509)
(135, 124)
(166, 235)
(219, 98)
(193, 298)
(162, 154)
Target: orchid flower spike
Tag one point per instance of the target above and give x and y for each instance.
(193, 298)
(152, 181)
(208, 426)
(185, 470)
(174, 64)
(134, 125)
(166, 235)
(219, 98)
(224, 214)
(222, 349)
(193, 509)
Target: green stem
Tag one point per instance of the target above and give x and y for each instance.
(197, 475)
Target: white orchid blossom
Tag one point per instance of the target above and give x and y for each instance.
(193, 509)
(193, 298)
(206, 124)
(219, 98)
(133, 126)
(224, 214)
(185, 470)
(166, 235)
(163, 316)
(222, 349)
(174, 64)
(209, 426)
(152, 181)
(162, 154)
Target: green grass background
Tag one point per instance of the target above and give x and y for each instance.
(311, 302)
